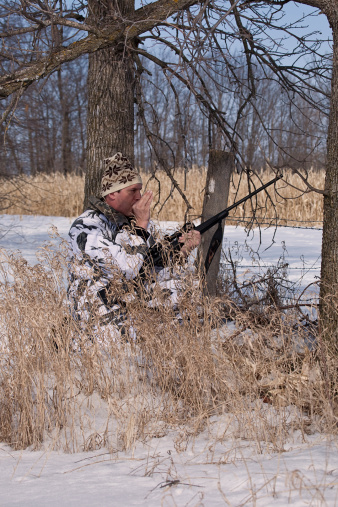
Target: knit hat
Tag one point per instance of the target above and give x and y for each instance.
(118, 174)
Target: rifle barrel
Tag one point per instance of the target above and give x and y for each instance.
(223, 214)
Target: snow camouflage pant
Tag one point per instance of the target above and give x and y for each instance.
(106, 253)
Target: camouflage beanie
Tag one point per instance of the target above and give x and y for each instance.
(118, 174)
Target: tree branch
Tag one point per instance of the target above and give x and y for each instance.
(143, 20)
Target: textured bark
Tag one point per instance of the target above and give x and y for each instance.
(110, 119)
(329, 269)
(66, 141)
(216, 195)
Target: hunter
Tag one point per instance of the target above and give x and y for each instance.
(109, 244)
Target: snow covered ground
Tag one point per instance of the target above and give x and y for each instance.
(301, 248)
(172, 469)
(156, 474)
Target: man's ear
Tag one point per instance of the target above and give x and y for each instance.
(110, 198)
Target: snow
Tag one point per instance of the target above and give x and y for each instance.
(306, 475)
(156, 474)
(176, 469)
(301, 248)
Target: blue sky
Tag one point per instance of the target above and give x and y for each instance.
(316, 23)
(293, 11)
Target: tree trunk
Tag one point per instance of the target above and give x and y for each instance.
(30, 141)
(66, 141)
(216, 195)
(110, 118)
(329, 269)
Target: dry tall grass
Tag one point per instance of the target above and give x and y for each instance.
(59, 388)
(56, 195)
(47, 195)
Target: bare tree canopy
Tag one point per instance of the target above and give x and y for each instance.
(200, 40)
(33, 44)
(47, 17)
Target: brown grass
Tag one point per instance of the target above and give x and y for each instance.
(47, 195)
(56, 195)
(58, 388)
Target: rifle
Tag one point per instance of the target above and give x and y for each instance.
(158, 253)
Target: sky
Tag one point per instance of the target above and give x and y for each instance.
(293, 10)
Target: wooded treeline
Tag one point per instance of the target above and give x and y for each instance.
(48, 128)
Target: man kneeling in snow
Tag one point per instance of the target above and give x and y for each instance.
(109, 247)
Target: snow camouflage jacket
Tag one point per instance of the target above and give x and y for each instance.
(105, 249)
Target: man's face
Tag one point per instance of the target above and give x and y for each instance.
(124, 200)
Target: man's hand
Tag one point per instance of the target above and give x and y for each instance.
(190, 241)
(141, 209)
